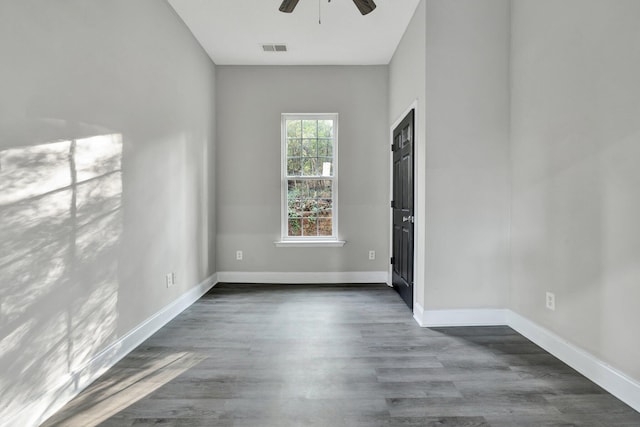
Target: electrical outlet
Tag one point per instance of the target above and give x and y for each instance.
(372, 255)
(551, 301)
(170, 279)
(239, 255)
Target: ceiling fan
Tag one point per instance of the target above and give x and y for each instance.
(364, 6)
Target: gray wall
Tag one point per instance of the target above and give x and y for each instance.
(453, 60)
(108, 169)
(250, 101)
(406, 87)
(106, 149)
(467, 163)
(575, 151)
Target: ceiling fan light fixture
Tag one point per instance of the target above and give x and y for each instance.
(287, 6)
(365, 6)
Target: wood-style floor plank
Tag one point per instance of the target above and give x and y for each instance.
(335, 355)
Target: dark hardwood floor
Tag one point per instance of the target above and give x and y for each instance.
(271, 355)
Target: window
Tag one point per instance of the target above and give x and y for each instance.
(309, 177)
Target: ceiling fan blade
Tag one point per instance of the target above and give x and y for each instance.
(365, 6)
(287, 6)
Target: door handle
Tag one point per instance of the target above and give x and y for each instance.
(407, 218)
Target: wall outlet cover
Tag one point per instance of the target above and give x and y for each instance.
(551, 301)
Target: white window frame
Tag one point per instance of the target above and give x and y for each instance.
(302, 241)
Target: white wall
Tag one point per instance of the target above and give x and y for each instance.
(250, 102)
(407, 88)
(467, 166)
(87, 236)
(575, 150)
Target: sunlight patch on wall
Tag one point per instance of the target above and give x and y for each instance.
(61, 224)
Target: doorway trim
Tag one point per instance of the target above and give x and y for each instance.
(418, 203)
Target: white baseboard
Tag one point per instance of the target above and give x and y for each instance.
(72, 384)
(474, 317)
(418, 314)
(607, 377)
(334, 277)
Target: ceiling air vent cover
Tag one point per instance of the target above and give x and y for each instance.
(274, 47)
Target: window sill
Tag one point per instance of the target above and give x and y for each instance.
(309, 243)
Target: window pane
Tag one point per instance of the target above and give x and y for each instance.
(325, 128)
(295, 227)
(294, 208)
(310, 208)
(295, 189)
(310, 200)
(309, 227)
(294, 147)
(323, 189)
(293, 167)
(325, 227)
(294, 128)
(325, 147)
(309, 147)
(324, 207)
(310, 167)
(309, 128)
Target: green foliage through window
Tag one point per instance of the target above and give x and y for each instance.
(310, 173)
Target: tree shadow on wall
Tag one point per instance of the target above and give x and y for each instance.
(60, 227)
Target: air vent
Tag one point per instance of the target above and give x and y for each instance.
(274, 47)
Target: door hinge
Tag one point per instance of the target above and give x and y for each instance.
(393, 260)
(393, 204)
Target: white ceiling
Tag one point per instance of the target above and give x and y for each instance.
(233, 31)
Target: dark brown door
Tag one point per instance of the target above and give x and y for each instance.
(402, 206)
